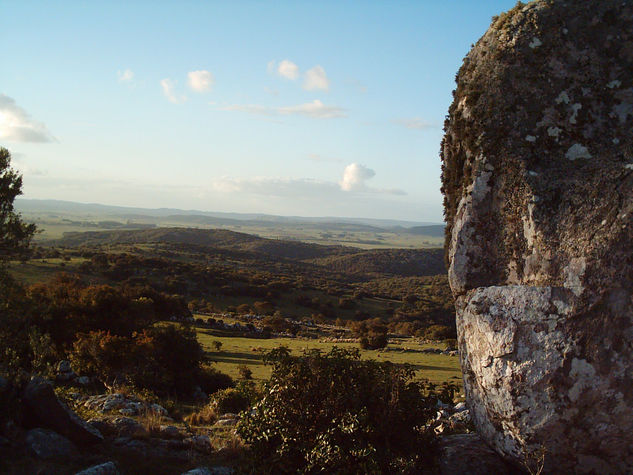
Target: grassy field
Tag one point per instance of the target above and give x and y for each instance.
(237, 351)
(42, 270)
(54, 226)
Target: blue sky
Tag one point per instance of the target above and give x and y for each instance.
(329, 108)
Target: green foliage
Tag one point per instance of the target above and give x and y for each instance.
(164, 359)
(231, 400)
(211, 379)
(15, 234)
(372, 334)
(439, 332)
(245, 372)
(335, 413)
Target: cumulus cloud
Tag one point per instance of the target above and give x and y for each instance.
(17, 126)
(288, 70)
(355, 177)
(201, 81)
(414, 123)
(316, 79)
(125, 76)
(315, 109)
(169, 90)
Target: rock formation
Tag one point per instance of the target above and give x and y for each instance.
(538, 193)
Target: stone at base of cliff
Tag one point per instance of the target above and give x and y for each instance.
(48, 445)
(40, 399)
(108, 468)
(467, 454)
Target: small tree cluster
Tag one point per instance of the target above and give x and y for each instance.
(334, 413)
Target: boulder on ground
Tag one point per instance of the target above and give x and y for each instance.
(48, 445)
(538, 191)
(43, 406)
(468, 454)
(108, 468)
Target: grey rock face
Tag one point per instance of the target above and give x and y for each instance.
(43, 404)
(468, 454)
(48, 445)
(538, 193)
(108, 468)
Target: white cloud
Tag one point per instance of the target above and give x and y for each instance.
(168, 89)
(288, 70)
(17, 126)
(126, 75)
(414, 123)
(315, 109)
(316, 78)
(354, 177)
(201, 81)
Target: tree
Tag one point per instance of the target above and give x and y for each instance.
(15, 234)
(17, 338)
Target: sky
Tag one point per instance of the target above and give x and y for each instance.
(297, 108)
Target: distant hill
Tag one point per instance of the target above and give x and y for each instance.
(212, 238)
(59, 206)
(435, 230)
(397, 262)
(342, 259)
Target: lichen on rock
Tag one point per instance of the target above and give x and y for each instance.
(538, 195)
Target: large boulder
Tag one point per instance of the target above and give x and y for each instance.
(467, 454)
(46, 410)
(48, 445)
(538, 193)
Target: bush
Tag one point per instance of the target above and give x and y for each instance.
(163, 359)
(372, 334)
(211, 380)
(230, 400)
(334, 413)
(440, 332)
(245, 372)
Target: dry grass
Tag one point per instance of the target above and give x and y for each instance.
(204, 417)
(151, 420)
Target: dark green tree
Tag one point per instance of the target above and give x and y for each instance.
(20, 345)
(15, 234)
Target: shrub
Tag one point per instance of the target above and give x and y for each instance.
(230, 400)
(334, 413)
(164, 359)
(372, 334)
(211, 379)
(439, 332)
(245, 372)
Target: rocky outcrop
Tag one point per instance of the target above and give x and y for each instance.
(48, 445)
(46, 410)
(468, 454)
(538, 185)
(107, 468)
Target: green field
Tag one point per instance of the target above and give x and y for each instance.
(238, 351)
